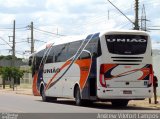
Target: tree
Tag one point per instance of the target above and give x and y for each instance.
(17, 74)
(4, 75)
(9, 57)
(11, 73)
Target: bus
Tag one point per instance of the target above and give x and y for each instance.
(113, 66)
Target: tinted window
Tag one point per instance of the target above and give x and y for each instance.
(49, 59)
(94, 47)
(60, 53)
(126, 44)
(49, 55)
(38, 59)
(73, 48)
(85, 55)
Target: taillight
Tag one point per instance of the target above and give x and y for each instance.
(102, 69)
(101, 76)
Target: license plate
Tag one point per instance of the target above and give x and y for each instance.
(127, 92)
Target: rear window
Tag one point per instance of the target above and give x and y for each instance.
(126, 44)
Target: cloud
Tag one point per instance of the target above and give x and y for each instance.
(72, 17)
(21, 6)
(14, 3)
(6, 19)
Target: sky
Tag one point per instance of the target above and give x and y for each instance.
(57, 18)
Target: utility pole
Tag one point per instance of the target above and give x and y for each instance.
(32, 39)
(136, 23)
(143, 19)
(136, 27)
(108, 14)
(13, 49)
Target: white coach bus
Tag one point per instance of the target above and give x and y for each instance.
(113, 66)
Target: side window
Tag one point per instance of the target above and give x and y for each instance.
(85, 55)
(38, 59)
(60, 53)
(94, 47)
(50, 55)
(73, 48)
(49, 59)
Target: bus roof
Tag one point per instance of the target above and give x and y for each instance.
(62, 40)
(67, 39)
(124, 31)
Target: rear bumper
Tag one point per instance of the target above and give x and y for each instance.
(118, 93)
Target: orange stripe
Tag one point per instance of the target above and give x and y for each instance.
(85, 65)
(107, 67)
(144, 70)
(50, 81)
(122, 74)
(145, 73)
(34, 85)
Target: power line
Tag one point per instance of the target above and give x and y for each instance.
(121, 12)
(21, 42)
(48, 32)
(2, 44)
(6, 42)
(40, 40)
(44, 33)
(9, 28)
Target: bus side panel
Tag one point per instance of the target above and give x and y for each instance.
(35, 89)
(90, 88)
(54, 78)
(61, 84)
(71, 77)
(85, 67)
(37, 78)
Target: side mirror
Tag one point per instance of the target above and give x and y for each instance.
(30, 61)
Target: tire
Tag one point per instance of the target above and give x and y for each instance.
(120, 103)
(44, 97)
(52, 99)
(78, 98)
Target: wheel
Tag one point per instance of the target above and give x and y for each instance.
(52, 99)
(120, 103)
(44, 97)
(78, 98)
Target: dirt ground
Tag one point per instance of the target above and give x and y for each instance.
(145, 103)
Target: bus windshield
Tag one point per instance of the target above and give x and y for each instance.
(126, 44)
